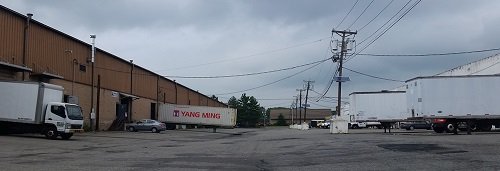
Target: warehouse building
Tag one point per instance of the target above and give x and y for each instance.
(312, 114)
(123, 92)
(486, 66)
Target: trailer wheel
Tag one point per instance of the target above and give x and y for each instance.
(51, 133)
(450, 128)
(66, 136)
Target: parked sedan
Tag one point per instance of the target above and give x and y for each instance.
(416, 125)
(147, 125)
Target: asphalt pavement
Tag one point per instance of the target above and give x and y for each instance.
(272, 148)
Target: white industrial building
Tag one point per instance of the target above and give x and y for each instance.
(485, 66)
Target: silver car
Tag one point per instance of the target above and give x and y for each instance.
(147, 125)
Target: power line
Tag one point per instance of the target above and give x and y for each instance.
(387, 79)
(321, 105)
(432, 54)
(368, 6)
(347, 13)
(388, 28)
(329, 84)
(277, 99)
(394, 23)
(250, 74)
(376, 31)
(247, 56)
(270, 82)
(274, 105)
(376, 16)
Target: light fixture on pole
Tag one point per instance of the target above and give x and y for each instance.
(92, 60)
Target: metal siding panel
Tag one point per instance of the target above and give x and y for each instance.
(115, 75)
(182, 96)
(11, 36)
(167, 88)
(145, 84)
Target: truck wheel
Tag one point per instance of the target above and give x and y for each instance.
(450, 128)
(131, 129)
(154, 130)
(66, 136)
(355, 126)
(51, 133)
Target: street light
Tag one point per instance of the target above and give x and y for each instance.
(92, 60)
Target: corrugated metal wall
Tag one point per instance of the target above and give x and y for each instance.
(54, 52)
(11, 38)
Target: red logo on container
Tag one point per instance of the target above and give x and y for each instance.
(176, 113)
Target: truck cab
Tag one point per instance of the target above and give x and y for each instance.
(62, 119)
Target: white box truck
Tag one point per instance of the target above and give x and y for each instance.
(34, 107)
(368, 109)
(197, 115)
(456, 102)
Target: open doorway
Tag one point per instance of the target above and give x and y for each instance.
(122, 114)
(153, 111)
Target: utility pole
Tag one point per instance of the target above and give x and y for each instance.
(296, 106)
(300, 105)
(307, 94)
(343, 51)
(131, 88)
(291, 114)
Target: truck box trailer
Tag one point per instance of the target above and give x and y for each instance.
(197, 115)
(369, 108)
(34, 107)
(451, 102)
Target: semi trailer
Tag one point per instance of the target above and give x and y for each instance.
(371, 109)
(455, 103)
(197, 115)
(36, 107)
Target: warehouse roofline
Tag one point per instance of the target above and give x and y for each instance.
(376, 92)
(457, 76)
(97, 49)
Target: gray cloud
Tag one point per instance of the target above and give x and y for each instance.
(169, 36)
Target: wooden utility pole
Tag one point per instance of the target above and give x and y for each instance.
(307, 94)
(300, 105)
(343, 51)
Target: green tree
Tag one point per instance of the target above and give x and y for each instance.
(214, 97)
(249, 110)
(233, 102)
(281, 120)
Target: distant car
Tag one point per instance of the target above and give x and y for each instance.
(416, 125)
(324, 125)
(147, 125)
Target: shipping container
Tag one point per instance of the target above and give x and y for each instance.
(197, 115)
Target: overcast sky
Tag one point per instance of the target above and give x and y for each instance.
(225, 37)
